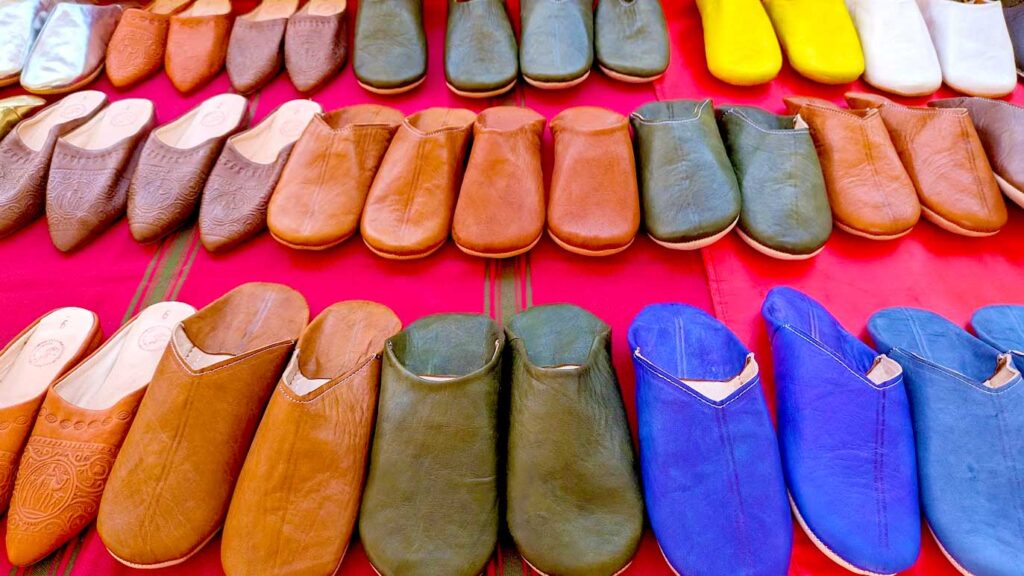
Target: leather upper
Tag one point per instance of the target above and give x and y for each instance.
(712, 480)
(136, 50)
(13, 112)
(570, 454)
(87, 188)
(912, 69)
(320, 196)
(24, 169)
(500, 211)
(20, 22)
(819, 38)
(846, 437)
(409, 209)
(164, 192)
(973, 45)
(437, 414)
(999, 126)
(557, 42)
(480, 52)
(687, 185)
(946, 161)
(785, 206)
(390, 44)
(255, 53)
(631, 38)
(594, 203)
(196, 49)
(966, 401)
(70, 48)
(739, 41)
(315, 48)
(170, 488)
(869, 190)
(1015, 26)
(295, 505)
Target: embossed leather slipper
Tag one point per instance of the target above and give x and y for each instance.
(81, 424)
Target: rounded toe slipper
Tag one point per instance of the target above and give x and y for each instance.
(390, 53)
(631, 40)
(819, 39)
(481, 59)
(713, 482)
(967, 403)
(557, 45)
(739, 42)
(846, 437)
(913, 70)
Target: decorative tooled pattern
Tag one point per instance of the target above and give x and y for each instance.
(8, 464)
(139, 41)
(59, 486)
(314, 47)
(22, 185)
(82, 195)
(234, 205)
(51, 418)
(166, 188)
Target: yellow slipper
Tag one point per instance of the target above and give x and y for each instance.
(819, 39)
(739, 41)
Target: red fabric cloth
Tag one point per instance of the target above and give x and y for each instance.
(853, 277)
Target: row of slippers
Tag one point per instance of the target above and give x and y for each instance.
(195, 39)
(317, 179)
(161, 429)
(907, 47)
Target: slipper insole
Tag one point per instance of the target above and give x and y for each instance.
(33, 363)
(325, 7)
(34, 131)
(127, 362)
(282, 128)
(166, 6)
(207, 8)
(273, 10)
(212, 119)
(113, 124)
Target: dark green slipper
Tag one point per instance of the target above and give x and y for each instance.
(481, 58)
(557, 47)
(785, 211)
(431, 500)
(631, 39)
(390, 55)
(574, 504)
(688, 189)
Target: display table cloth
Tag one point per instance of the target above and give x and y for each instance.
(853, 277)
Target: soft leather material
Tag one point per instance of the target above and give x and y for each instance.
(390, 44)
(942, 153)
(315, 48)
(712, 479)
(785, 206)
(164, 192)
(255, 53)
(999, 326)
(739, 41)
(631, 39)
(973, 45)
(431, 500)
(87, 188)
(819, 39)
(27, 167)
(1000, 127)
(233, 208)
(869, 190)
(15, 109)
(409, 209)
(846, 438)
(500, 211)
(912, 69)
(570, 456)
(170, 487)
(71, 47)
(480, 52)
(969, 434)
(557, 45)
(196, 49)
(20, 21)
(136, 50)
(320, 195)
(17, 418)
(82, 422)
(1014, 13)
(594, 204)
(295, 505)
(688, 188)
